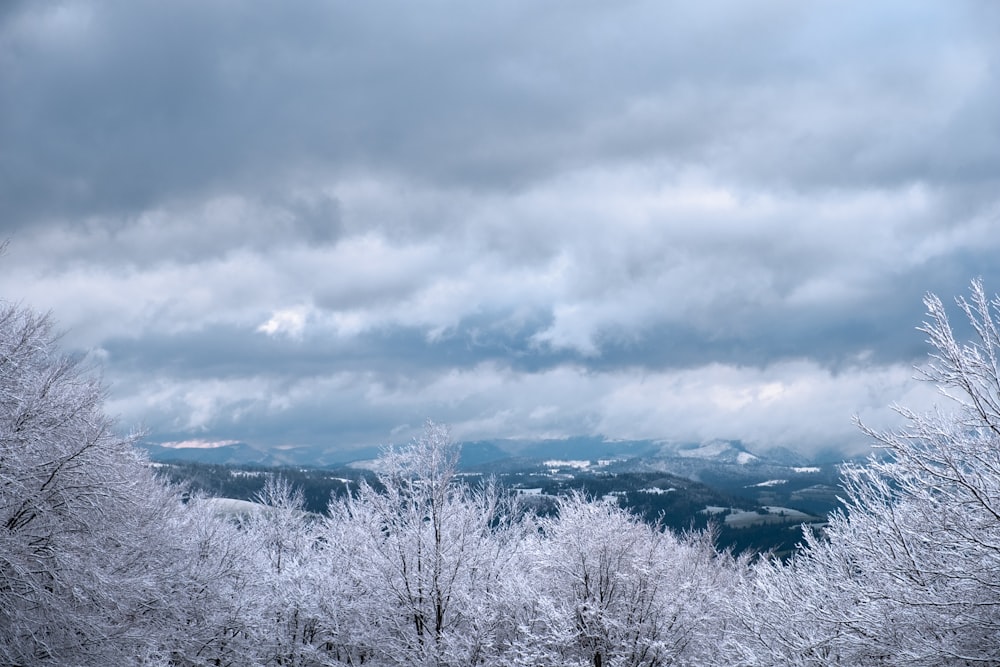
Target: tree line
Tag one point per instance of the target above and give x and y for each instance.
(661, 498)
(101, 562)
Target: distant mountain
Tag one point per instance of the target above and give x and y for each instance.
(232, 454)
(786, 456)
(242, 453)
(473, 454)
(757, 505)
(693, 460)
(580, 447)
(758, 498)
(479, 453)
(719, 451)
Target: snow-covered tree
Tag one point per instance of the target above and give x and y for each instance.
(81, 515)
(910, 572)
(287, 628)
(210, 590)
(617, 591)
(425, 562)
(100, 562)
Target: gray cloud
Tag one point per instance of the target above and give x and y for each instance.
(120, 104)
(254, 213)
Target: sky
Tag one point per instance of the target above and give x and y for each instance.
(323, 222)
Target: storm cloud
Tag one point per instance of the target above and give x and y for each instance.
(322, 222)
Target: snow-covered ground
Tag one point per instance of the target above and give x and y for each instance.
(232, 506)
(563, 463)
(738, 518)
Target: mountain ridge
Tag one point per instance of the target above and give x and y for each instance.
(477, 452)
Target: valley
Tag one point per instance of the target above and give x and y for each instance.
(755, 503)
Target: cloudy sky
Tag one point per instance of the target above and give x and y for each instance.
(321, 222)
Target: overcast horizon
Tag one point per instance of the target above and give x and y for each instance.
(321, 223)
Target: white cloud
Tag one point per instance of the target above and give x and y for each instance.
(198, 443)
(289, 321)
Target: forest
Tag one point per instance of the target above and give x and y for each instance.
(663, 499)
(102, 561)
